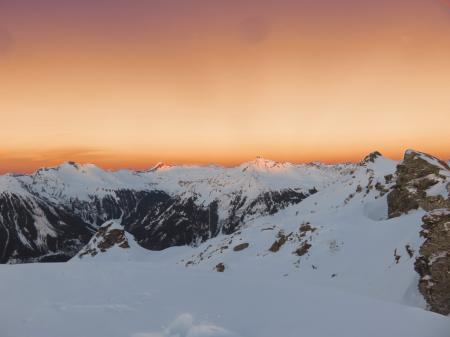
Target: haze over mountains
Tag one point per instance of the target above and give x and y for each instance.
(378, 228)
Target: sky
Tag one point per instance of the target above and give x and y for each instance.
(127, 83)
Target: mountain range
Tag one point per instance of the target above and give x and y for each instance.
(378, 227)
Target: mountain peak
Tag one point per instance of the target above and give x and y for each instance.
(68, 166)
(263, 164)
(371, 157)
(160, 166)
(411, 155)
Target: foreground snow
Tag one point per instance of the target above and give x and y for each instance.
(132, 299)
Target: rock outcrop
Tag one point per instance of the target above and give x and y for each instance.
(433, 263)
(159, 221)
(422, 182)
(34, 230)
(415, 175)
(370, 158)
(109, 235)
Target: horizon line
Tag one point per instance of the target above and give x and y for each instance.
(27, 165)
(117, 168)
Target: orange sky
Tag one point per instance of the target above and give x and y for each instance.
(128, 83)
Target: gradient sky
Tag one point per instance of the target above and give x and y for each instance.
(126, 83)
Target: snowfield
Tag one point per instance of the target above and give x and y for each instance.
(150, 300)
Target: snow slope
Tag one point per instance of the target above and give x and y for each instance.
(154, 300)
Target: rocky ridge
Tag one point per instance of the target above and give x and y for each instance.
(422, 181)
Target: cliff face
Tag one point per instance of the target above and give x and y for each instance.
(416, 175)
(433, 264)
(422, 181)
(33, 230)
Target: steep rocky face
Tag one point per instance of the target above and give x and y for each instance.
(417, 173)
(156, 219)
(272, 202)
(266, 203)
(114, 205)
(433, 264)
(159, 221)
(33, 230)
(370, 158)
(422, 181)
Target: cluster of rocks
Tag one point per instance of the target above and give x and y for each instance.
(433, 263)
(414, 176)
(281, 239)
(417, 173)
(106, 237)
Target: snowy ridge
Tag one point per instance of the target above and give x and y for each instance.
(12, 185)
(80, 181)
(75, 181)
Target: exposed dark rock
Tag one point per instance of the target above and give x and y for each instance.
(306, 227)
(388, 178)
(303, 249)
(396, 256)
(433, 262)
(370, 158)
(414, 166)
(240, 247)
(105, 238)
(99, 210)
(32, 229)
(159, 221)
(414, 176)
(401, 201)
(350, 197)
(409, 250)
(220, 268)
(381, 188)
(267, 203)
(156, 219)
(282, 239)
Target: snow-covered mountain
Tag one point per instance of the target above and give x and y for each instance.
(377, 228)
(162, 207)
